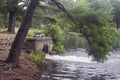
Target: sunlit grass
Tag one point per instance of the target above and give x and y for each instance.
(31, 32)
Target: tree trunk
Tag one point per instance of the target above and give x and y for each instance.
(12, 21)
(17, 45)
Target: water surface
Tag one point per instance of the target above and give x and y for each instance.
(76, 65)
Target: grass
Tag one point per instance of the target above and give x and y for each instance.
(31, 32)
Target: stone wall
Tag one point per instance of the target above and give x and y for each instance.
(31, 44)
(37, 44)
(5, 43)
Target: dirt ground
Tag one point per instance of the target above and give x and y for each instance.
(28, 69)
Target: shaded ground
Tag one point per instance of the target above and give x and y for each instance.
(27, 71)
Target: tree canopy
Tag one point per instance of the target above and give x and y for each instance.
(94, 20)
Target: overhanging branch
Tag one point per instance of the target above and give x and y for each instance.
(61, 7)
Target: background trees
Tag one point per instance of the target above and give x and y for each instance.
(11, 10)
(12, 6)
(3, 13)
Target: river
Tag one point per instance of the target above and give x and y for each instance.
(76, 65)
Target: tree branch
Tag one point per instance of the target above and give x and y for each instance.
(61, 7)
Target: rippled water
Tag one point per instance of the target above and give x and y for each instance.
(76, 65)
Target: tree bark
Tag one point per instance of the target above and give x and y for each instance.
(12, 21)
(17, 45)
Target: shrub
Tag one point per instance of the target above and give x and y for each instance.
(58, 47)
(33, 32)
(57, 35)
(38, 57)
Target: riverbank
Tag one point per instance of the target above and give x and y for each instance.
(28, 69)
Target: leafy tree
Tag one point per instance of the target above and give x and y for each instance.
(16, 48)
(56, 33)
(93, 18)
(47, 13)
(3, 21)
(3, 13)
(10, 9)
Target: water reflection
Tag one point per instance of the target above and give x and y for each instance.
(74, 42)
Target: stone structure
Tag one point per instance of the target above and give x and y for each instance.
(31, 44)
(5, 43)
(37, 43)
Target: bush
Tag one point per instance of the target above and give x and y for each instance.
(58, 47)
(57, 35)
(38, 57)
(33, 32)
(30, 34)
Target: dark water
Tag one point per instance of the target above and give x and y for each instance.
(76, 65)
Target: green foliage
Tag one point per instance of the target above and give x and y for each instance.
(38, 18)
(30, 34)
(58, 47)
(38, 57)
(56, 33)
(34, 32)
(94, 20)
(3, 21)
(117, 44)
(101, 41)
(3, 6)
(7, 6)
